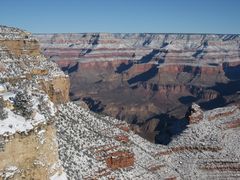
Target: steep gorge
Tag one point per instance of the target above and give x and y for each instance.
(148, 80)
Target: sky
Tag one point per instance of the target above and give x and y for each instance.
(127, 16)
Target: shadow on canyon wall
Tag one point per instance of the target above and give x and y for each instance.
(145, 76)
(70, 69)
(168, 127)
(157, 88)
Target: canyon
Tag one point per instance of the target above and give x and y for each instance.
(44, 135)
(148, 80)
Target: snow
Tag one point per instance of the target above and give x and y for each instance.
(82, 135)
(9, 172)
(25, 114)
(51, 108)
(12, 33)
(42, 110)
(58, 176)
(7, 96)
(2, 88)
(14, 123)
(41, 136)
(38, 118)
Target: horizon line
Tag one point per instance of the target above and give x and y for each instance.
(173, 33)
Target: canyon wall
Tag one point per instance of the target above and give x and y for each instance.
(29, 84)
(147, 78)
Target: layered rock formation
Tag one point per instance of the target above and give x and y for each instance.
(28, 141)
(21, 60)
(147, 79)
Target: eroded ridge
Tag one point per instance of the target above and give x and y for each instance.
(97, 146)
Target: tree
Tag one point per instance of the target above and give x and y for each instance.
(23, 103)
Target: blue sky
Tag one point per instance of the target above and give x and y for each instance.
(183, 16)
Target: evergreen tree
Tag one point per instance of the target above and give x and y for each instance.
(23, 103)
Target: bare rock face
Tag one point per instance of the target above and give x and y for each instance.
(20, 47)
(118, 160)
(57, 89)
(141, 77)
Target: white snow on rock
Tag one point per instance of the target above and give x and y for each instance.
(41, 136)
(85, 138)
(7, 96)
(58, 176)
(14, 123)
(9, 172)
(43, 110)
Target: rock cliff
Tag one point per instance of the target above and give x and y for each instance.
(145, 79)
(29, 84)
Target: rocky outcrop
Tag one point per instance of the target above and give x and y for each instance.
(57, 89)
(194, 114)
(28, 141)
(118, 160)
(30, 65)
(20, 47)
(155, 73)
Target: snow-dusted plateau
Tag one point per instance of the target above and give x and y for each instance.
(44, 135)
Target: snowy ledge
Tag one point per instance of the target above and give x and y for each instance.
(18, 124)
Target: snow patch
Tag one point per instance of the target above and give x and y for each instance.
(15, 123)
(58, 176)
(41, 136)
(9, 172)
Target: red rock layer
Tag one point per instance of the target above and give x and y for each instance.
(120, 160)
(136, 77)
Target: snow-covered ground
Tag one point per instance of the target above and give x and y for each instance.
(82, 133)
